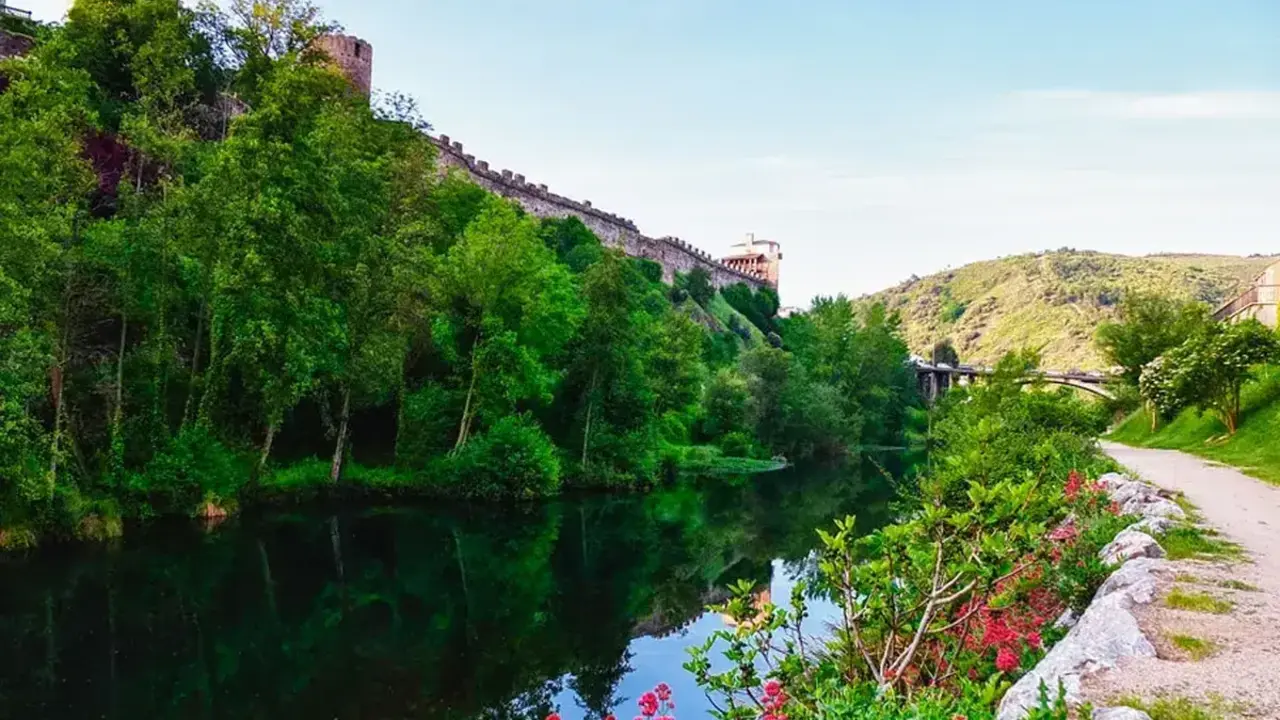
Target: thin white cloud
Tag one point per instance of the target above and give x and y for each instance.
(1218, 104)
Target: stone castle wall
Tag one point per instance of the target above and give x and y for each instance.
(673, 254)
(353, 56)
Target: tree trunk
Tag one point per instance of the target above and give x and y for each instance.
(464, 428)
(195, 364)
(339, 450)
(266, 447)
(50, 642)
(268, 583)
(400, 392)
(117, 416)
(59, 415)
(591, 406)
(210, 380)
(335, 542)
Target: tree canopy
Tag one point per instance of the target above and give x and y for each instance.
(225, 278)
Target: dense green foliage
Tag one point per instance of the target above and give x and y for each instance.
(221, 269)
(1147, 326)
(1051, 301)
(940, 609)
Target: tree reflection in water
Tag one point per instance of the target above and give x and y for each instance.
(447, 611)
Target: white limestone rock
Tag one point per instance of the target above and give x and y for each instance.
(1163, 509)
(1067, 619)
(1128, 492)
(1154, 525)
(1138, 577)
(1130, 544)
(1111, 480)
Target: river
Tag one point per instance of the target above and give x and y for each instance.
(437, 610)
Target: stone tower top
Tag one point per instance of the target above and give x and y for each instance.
(352, 56)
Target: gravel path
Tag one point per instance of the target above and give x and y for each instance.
(1243, 674)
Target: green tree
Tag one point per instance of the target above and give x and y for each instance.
(944, 352)
(1149, 324)
(609, 355)
(289, 195)
(699, 286)
(1208, 370)
(44, 185)
(509, 310)
(760, 306)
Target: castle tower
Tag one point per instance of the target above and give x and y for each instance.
(353, 57)
(761, 257)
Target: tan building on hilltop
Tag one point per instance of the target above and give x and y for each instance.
(1258, 302)
(761, 257)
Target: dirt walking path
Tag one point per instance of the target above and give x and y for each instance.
(1237, 669)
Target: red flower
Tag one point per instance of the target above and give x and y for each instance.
(1065, 532)
(648, 704)
(1006, 660)
(1074, 483)
(772, 688)
(1033, 639)
(553, 716)
(663, 691)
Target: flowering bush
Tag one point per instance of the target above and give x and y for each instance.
(952, 602)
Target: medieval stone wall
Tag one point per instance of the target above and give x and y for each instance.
(353, 56)
(673, 254)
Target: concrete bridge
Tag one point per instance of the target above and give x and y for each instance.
(935, 379)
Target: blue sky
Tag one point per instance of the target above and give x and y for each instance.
(874, 140)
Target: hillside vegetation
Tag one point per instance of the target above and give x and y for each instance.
(1052, 301)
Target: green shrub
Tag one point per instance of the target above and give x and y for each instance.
(699, 286)
(513, 458)
(649, 269)
(194, 464)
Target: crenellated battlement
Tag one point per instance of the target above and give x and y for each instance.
(354, 58)
(672, 253)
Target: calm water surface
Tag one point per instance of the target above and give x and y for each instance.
(431, 611)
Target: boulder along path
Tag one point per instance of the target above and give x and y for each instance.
(1237, 669)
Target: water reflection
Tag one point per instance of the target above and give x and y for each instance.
(444, 611)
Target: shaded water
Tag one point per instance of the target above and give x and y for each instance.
(432, 611)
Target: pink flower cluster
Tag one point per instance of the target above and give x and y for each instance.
(775, 700)
(657, 701)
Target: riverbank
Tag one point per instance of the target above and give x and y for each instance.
(1252, 449)
(1215, 621)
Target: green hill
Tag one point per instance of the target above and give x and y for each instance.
(1051, 300)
